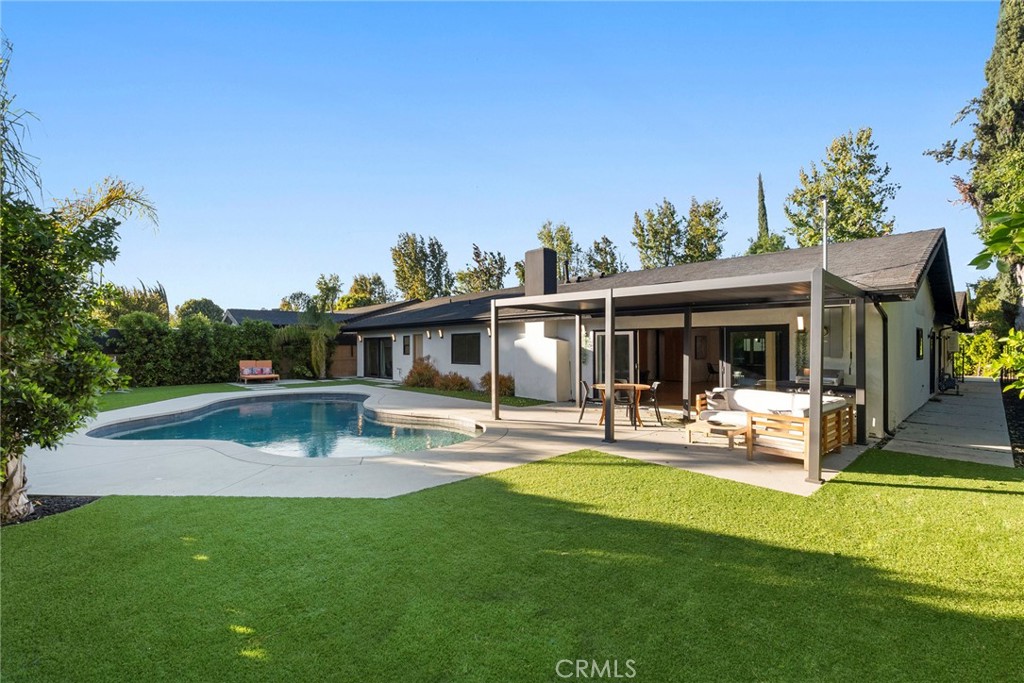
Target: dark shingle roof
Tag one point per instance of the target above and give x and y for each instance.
(279, 318)
(890, 266)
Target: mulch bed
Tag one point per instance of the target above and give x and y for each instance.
(52, 505)
(1014, 408)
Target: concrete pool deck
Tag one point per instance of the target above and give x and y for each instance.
(94, 466)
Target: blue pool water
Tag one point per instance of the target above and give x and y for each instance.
(314, 428)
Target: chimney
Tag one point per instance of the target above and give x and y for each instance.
(541, 272)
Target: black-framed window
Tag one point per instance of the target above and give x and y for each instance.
(920, 344)
(405, 345)
(466, 349)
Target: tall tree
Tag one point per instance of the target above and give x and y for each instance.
(603, 257)
(439, 275)
(658, 236)
(212, 311)
(560, 238)
(366, 290)
(766, 241)
(486, 272)
(328, 289)
(421, 267)
(296, 301)
(855, 188)
(51, 372)
(20, 177)
(704, 234)
(995, 149)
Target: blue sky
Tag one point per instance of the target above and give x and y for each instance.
(280, 141)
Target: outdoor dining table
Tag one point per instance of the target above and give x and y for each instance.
(637, 390)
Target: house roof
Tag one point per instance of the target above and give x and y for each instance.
(279, 318)
(893, 267)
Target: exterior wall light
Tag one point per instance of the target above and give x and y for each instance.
(800, 323)
(440, 333)
(428, 334)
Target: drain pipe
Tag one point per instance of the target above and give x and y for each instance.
(885, 367)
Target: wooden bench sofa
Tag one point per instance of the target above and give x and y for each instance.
(256, 370)
(777, 423)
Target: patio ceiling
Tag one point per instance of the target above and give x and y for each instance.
(768, 290)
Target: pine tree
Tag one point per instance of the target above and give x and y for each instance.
(766, 241)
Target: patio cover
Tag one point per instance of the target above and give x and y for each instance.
(813, 287)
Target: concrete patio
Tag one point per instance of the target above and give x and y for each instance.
(93, 466)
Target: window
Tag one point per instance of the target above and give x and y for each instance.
(920, 344)
(466, 349)
(405, 345)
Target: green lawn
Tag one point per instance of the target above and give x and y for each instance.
(905, 568)
(142, 395)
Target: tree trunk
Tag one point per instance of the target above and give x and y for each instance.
(14, 502)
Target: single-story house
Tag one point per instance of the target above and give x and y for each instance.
(889, 320)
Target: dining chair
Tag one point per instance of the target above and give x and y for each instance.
(586, 398)
(626, 398)
(652, 400)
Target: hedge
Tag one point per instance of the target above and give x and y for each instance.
(152, 353)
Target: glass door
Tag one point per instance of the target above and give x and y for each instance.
(757, 356)
(624, 357)
(377, 357)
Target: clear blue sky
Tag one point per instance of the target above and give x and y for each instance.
(280, 141)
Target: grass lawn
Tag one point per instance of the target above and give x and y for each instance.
(142, 395)
(905, 568)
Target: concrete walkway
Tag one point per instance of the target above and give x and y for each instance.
(96, 466)
(969, 427)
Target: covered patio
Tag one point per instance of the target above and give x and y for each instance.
(812, 289)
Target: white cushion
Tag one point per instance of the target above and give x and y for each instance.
(737, 418)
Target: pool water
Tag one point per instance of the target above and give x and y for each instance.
(303, 428)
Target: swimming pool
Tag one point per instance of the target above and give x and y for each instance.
(307, 426)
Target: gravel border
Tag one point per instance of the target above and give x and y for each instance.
(1014, 408)
(52, 505)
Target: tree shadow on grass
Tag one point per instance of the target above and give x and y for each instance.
(499, 578)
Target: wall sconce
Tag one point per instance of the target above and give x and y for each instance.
(359, 337)
(800, 323)
(440, 333)
(428, 334)
(392, 336)
(488, 330)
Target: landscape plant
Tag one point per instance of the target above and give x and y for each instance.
(506, 384)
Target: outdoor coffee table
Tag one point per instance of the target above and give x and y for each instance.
(705, 427)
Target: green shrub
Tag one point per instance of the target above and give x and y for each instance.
(453, 381)
(144, 350)
(506, 384)
(192, 342)
(423, 373)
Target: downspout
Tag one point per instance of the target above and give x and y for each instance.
(885, 367)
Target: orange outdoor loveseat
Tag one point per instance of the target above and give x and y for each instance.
(256, 369)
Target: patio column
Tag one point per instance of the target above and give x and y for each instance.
(578, 360)
(816, 361)
(861, 358)
(495, 403)
(687, 360)
(609, 367)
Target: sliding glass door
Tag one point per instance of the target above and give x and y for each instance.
(624, 355)
(757, 356)
(377, 357)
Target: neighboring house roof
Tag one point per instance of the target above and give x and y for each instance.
(279, 318)
(892, 267)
